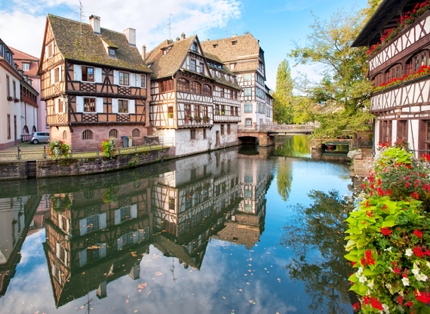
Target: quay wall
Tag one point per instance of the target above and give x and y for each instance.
(79, 166)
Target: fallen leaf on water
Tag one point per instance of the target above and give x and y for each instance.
(252, 301)
(126, 301)
(133, 254)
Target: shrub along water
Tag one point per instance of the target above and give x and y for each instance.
(388, 233)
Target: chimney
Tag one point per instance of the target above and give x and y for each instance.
(130, 33)
(95, 23)
(183, 35)
(144, 52)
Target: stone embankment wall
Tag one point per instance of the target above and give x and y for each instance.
(82, 166)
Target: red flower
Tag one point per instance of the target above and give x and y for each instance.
(418, 233)
(384, 207)
(397, 270)
(376, 304)
(400, 299)
(385, 231)
(356, 306)
(423, 297)
(363, 262)
(418, 251)
(369, 213)
(369, 258)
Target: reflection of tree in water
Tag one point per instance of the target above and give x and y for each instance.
(297, 146)
(284, 178)
(316, 236)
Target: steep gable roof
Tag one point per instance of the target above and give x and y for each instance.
(166, 64)
(21, 57)
(77, 41)
(236, 49)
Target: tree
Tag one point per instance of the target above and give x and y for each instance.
(283, 96)
(343, 93)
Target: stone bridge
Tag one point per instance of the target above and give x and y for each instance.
(265, 134)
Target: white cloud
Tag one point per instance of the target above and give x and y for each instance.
(22, 22)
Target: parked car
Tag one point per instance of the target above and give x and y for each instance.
(39, 137)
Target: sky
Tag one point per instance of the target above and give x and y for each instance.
(278, 24)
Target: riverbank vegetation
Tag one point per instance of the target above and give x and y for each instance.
(388, 235)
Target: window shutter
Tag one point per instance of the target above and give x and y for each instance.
(117, 216)
(97, 75)
(83, 257)
(133, 80)
(138, 80)
(132, 106)
(116, 77)
(79, 104)
(133, 210)
(57, 249)
(102, 249)
(99, 104)
(60, 73)
(119, 244)
(103, 221)
(77, 72)
(114, 105)
(52, 76)
(83, 226)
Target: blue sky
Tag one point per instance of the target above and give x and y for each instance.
(276, 23)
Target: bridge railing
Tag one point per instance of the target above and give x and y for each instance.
(274, 127)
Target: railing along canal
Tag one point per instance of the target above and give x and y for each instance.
(281, 128)
(39, 152)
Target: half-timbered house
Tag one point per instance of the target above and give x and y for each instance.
(194, 97)
(398, 36)
(94, 82)
(245, 58)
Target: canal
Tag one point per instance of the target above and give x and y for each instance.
(247, 230)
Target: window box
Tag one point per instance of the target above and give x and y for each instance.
(197, 119)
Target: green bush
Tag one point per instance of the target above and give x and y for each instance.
(58, 149)
(108, 147)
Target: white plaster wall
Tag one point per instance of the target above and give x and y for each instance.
(8, 107)
(413, 127)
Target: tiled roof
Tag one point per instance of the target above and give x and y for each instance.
(77, 41)
(235, 49)
(19, 57)
(166, 65)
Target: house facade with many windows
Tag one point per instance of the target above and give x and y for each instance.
(398, 36)
(245, 58)
(18, 101)
(94, 83)
(194, 97)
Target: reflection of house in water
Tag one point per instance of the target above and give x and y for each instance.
(16, 216)
(190, 203)
(95, 236)
(245, 223)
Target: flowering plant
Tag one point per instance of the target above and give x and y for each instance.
(108, 148)
(388, 235)
(406, 19)
(422, 71)
(58, 149)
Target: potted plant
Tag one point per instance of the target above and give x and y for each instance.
(108, 147)
(16, 100)
(205, 119)
(9, 98)
(197, 119)
(188, 119)
(58, 149)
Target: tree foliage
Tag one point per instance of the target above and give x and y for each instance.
(342, 96)
(283, 97)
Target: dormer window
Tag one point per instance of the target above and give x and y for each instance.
(26, 66)
(112, 52)
(194, 47)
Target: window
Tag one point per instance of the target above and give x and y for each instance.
(112, 52)
(124, 78)
(87, 135)
(425, 142)
(222, 129)
(236, 111)
(25, 66)
(170, 112)
(233, 95)
(247, 91)
(248, 193)
(113, 133)
(193, 134)
(196, 88)
(183, 85)
(196, 111)
(200, 67)
(221, 92)
(87, 74)
(417, 61)
(385, 131)
(166, 86)
(60, 106)
(248, 178)
(125, 213)
(206, 90)
(49, 50)
(193, 65)
(143, 80)
(93, 223)
(228, 129)
(247, 77)
(217, 109)
(204, 134)
(8, 127)
(89, 105)
(187, 109)
(194, 47)
(402, 130)
(7, 86)
(135, 133)
(14, 88)
(171, 203)
(56, 74)
(248, 122)
(122, 106)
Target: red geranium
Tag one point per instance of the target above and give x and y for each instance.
(418, 233)
(385, 231)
